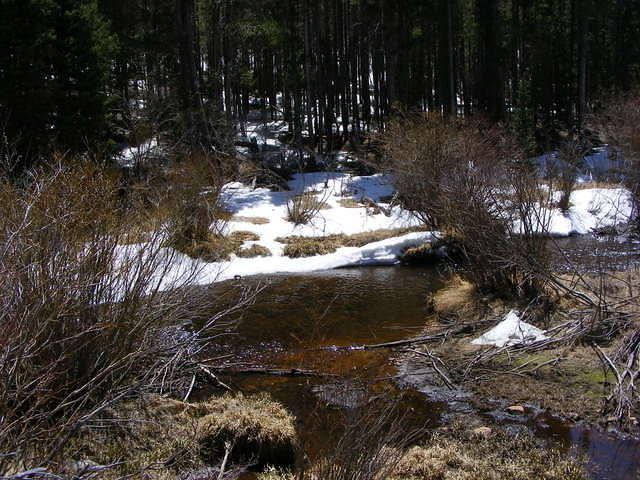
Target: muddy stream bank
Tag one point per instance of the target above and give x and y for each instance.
(296, 316)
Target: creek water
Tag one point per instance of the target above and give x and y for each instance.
(296, 316)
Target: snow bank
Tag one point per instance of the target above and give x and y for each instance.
(510, 331)
(385, 252)
(330, 188)
(590, 209)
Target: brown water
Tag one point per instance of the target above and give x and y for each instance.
(295, 315)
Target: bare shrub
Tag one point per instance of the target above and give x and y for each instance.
(563, 176)
(370, 448)
(619, 125)
(468, 180)
(304, 207)
(86, 321)
(196, 184)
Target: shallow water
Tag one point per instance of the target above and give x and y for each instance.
(296, 315)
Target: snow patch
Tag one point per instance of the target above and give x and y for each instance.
(511, 331)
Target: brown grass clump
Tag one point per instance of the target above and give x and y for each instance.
(350, 203)
(255, 428)
(254, 251)
(217, 247)
(462, 457)
(424, 254)
(253, 220)
(297, 246)
(242, 236)
(459, 300)
(176, 437)
(365, 238)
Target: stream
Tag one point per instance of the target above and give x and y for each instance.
(297, 314)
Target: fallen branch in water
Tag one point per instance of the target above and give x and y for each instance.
(293, 372)
(434, 363)
(441, 336)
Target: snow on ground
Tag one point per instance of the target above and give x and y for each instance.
(510, 331)
(131, 156)
(591, 208)
(385, 252)
(329, 188)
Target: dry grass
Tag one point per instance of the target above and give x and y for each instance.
(297, 246)
(458, 453)
(217, 247)
(350, 203)
(84, 321)
(257, 429)
(176, 438)
(254, 251)
(252, 220)
(459, 300)
(463, 456)
(598, 184)
(424, 254)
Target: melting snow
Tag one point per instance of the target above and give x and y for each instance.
(511, 331)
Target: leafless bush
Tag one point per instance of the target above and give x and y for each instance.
(304, 207)
(562, 177)
(370, 448)
(619, 125)
(467, 180)
(196, 185)
(86, 321)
